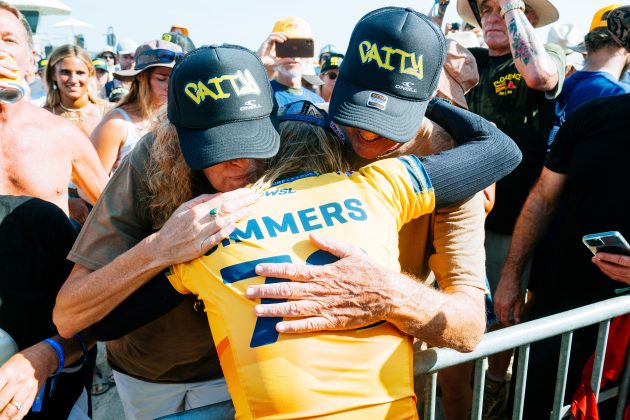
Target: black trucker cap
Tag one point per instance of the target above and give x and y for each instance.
(391, 70)
(222, 105)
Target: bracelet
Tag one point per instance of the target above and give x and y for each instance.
(76, 366)
(513, 5)
(60, 354)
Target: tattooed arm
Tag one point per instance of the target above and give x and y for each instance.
(532, 61)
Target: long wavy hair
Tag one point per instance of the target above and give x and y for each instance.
(53, 98)
(169, 177)
(139, 94)
(304, 147)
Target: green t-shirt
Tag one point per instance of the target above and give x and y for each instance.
(503, 97)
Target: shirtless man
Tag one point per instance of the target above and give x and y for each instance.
(40, 153)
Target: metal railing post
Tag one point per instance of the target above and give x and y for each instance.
(521, 378)
(430, 393)
(480, 379)
(561, 377)
(600, 355)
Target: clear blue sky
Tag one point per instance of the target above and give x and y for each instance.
(248, 22)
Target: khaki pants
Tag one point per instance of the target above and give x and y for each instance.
(147, 400)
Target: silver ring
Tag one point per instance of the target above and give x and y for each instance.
(16, 405)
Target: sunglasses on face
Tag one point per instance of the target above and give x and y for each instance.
(108, 57)
(307, 112)
(158, 56)
(330, 75)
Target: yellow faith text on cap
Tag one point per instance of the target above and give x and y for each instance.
(409, 63)
(241, 83)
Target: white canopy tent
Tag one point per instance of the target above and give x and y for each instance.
(44, 7)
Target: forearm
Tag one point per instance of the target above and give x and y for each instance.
(530, 227)
(87, 296)
(484, 156)
(530, 57)
(90, 187)
(133, 312)
(454, 319)
(43, 359)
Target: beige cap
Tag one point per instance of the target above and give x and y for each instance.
(459, 74)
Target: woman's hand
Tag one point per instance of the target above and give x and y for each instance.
(192, 229)
(22, 376)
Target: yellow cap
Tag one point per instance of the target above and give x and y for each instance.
(293, 27)
(599, 19)
(179, 28)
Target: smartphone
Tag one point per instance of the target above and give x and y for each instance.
(295, 47)
(612, 242)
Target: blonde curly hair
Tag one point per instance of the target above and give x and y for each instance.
(169, 176)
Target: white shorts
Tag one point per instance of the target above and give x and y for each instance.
(148, 400)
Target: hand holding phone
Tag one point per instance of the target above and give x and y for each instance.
(612, 242)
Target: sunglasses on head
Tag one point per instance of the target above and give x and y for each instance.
(331, 75)
(307, 112)
(162, 56)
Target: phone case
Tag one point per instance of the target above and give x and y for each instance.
(612, 242)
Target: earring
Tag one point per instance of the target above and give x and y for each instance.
(54, 85)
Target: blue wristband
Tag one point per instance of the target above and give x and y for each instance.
(60, 354)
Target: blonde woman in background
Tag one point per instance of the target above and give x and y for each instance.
(71, 94)
(132, 118)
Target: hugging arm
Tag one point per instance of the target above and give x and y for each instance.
(483, 156)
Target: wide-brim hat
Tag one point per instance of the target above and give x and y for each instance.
(155, 53)
(240, 123)
(546, 12)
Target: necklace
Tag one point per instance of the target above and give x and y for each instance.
(74, 114)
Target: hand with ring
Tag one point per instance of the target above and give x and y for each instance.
(21, 377)
(201, 223)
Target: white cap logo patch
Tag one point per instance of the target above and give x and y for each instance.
(377, 100)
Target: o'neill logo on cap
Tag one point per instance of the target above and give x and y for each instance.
(406, 86)
(249, 105)
(409, 63)
(241, 83)
(377, 100)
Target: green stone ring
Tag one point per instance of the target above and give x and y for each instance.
(213, 212)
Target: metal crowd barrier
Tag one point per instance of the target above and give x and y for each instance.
(432, 360)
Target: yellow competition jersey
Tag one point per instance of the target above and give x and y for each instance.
(365, 373)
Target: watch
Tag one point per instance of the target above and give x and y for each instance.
(512, 5)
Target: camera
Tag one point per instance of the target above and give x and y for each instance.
(595, 242)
